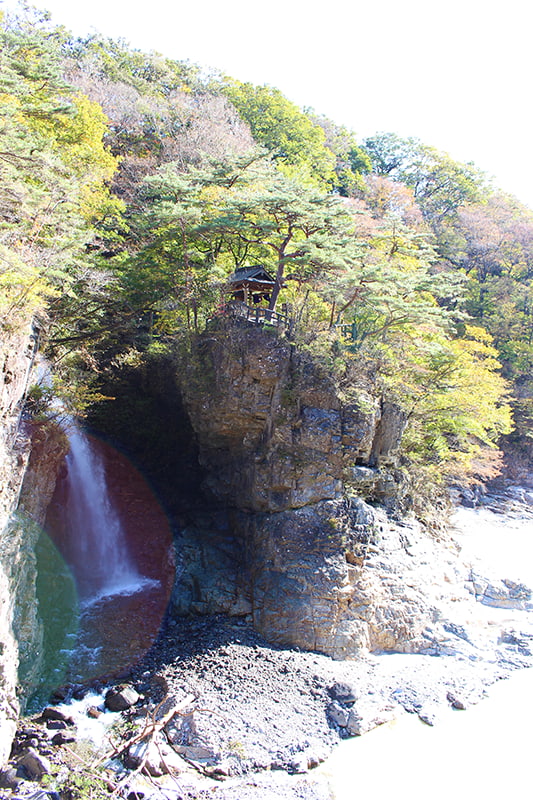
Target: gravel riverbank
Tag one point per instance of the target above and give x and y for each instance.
(263, 718)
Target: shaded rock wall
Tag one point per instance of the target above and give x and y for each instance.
(143, 417)
(49, 446)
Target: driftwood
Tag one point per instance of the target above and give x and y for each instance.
(151, 728)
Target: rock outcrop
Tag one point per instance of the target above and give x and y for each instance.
(17, 352)
(313, 564)
(273, 431)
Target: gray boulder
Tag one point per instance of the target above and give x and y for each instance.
(368, 714)
(121, 698)
(34, 763)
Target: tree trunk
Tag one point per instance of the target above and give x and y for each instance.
(278, 284)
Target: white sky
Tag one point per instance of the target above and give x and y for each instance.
(454, 73)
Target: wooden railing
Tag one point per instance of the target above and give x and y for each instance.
(257, 315)
(265, 316)
(347, 331)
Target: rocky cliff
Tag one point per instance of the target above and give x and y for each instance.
(272, 428)
(16, 356)
(29, 460)
(17, 351)
(297, 547)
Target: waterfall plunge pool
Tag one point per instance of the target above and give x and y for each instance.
(105, 567)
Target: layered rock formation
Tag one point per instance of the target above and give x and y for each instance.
(312, 563)
(29, 460)
(16, 356)
(272, 429)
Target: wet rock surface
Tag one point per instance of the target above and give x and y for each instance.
(17, 351)
(121, 698)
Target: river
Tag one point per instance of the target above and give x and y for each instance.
(485, 750)
(482, 752)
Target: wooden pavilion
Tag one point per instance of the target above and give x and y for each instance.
(251, 285)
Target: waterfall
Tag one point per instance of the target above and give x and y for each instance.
(104, 566)
(96, 543)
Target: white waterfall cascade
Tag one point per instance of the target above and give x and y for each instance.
(98, 551)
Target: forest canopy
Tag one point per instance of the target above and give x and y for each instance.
(133, 185)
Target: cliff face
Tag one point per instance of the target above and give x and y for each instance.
(29, 461)
(16, 356)
(314, 565)
(272, 430)
(17, 351)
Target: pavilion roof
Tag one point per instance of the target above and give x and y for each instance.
(255, 274)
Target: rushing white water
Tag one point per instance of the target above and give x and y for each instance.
(503, 543)
(98, 553)
(483, 751)
(90, 728)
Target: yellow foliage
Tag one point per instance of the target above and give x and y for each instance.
(23, 286)
(456, 398)
(96, 203)
(78, 138)
(81, 141)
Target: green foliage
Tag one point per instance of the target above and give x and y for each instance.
(351, 160)
(440, 184)
(395, 306)
(53, 169)
(420, 261)
(286, 132)
(480, 234)
(450, 418)
(149, 73)
(390, 154)
(393, 286)
(494, 247)
(199, 226)
(84, 786)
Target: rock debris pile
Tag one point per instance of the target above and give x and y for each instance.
(214, 711)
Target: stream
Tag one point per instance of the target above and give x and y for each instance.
(483, 751)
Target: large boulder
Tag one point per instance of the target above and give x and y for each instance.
(120, 698)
